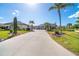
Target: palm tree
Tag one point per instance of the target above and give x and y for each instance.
(31, 25)
(58, 7)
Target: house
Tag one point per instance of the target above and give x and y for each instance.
(43, 26)
(9, 26)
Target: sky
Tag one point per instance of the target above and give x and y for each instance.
(37, 12)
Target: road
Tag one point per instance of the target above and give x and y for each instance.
(37, 43)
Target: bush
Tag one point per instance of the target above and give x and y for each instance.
(70, 30)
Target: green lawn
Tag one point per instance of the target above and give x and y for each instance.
(69, 40)
(4, 34)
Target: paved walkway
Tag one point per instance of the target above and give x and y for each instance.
(36, 43)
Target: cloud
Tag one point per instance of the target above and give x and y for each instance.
(75, 15)
(1, 18)
(15, 12)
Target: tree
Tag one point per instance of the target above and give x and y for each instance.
(31, 25)
(76, 26)
(77, 23)
(47, 26)
(69, 25)
(15, 25)
(58, 7)
(77, 20)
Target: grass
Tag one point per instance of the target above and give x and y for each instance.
(69, 40)
(4, 34)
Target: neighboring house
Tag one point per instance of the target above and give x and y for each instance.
(42, 26)
(9, 26)
(23, 27)
(39, 27)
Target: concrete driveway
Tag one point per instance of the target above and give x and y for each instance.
(37, 43)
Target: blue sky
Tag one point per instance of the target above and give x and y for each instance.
(37, 12)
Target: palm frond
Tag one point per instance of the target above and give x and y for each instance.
(52, 7)
(63, 5)
(66, 5)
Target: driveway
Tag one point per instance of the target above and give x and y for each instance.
(37, 43)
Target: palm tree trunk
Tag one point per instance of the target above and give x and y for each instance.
(59, 13)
